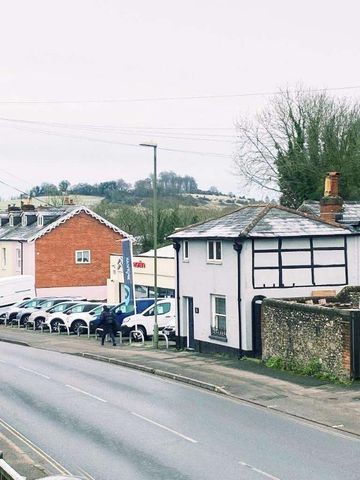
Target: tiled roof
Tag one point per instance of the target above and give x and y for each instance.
(261, 221)
(350, 213)
(51, 219)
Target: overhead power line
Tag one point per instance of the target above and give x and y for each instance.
(110, 142)
(25, 193)
(115, 130)
(174, 98)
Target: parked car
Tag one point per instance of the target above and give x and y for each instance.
(24, 314)
(15, 308)
(121, 311)
(145, 321)
(78, 319)
(60, 317)
(28, 304)
(49, 307)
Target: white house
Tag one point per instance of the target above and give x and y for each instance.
(226, 266)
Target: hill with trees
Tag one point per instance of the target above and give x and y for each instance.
(180, 203)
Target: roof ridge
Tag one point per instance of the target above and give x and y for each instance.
(256, 220)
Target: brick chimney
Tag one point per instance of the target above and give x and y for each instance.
(331, 204)
(26, 205)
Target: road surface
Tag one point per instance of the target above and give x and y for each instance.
(112, 423)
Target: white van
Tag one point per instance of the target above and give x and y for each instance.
(15, 289)
(145, 321)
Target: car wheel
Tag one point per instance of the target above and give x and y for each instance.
(76, 324)
(55, 324)
(38, 322)
(24, 319)
(141, 329)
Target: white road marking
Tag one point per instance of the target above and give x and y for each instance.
(35, 373)
(35, 448)
(165, 428)
(86, 393)
(257, 470)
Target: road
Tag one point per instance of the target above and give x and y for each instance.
(112, 423)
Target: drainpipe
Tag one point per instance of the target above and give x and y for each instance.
(238, 247)
(176, 245)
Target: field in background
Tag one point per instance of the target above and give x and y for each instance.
(56, 201)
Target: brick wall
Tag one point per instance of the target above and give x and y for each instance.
(55, 253)
(302, 333)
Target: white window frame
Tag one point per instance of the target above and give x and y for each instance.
(214, 315)
(24, 221)
(186, 250)
(11, 220)
(40, 221)
(81, 261)
(18, 259)
(215, 259)
(3, 258)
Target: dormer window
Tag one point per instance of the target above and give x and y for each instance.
(40, 221)
(24, 221)
(11, 220)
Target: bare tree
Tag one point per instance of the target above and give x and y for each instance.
(291, 145)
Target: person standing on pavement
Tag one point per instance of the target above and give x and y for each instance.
(107, 323)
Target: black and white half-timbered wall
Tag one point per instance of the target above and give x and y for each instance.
(226, 266)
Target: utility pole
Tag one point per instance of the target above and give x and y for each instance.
(155, 215)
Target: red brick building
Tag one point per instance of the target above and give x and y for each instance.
(66, 249)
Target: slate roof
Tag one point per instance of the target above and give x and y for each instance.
(52, 219)
(350, 213)
(268, 221)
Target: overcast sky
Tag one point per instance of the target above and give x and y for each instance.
(86, 51)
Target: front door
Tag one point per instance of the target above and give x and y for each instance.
(190, 316)
(256, 325)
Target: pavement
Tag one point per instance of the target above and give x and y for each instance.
(247, 380)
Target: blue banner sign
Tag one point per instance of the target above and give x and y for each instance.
(129, 286)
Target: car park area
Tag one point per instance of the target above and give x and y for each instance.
(77, 317)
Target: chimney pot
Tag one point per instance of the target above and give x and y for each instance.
(332, 184)
(331, 204)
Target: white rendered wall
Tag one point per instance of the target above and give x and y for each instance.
(199, 279)
(29, 258)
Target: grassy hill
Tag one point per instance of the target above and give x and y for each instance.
(86, 200)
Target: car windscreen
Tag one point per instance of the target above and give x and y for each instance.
(98, 310)
(124, 308)
(46, 304)
(61, 307)
(32, 303)
(90, 307)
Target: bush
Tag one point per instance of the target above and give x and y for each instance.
(275, 362)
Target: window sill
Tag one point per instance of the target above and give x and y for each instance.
(214, 262)
(218, 337)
